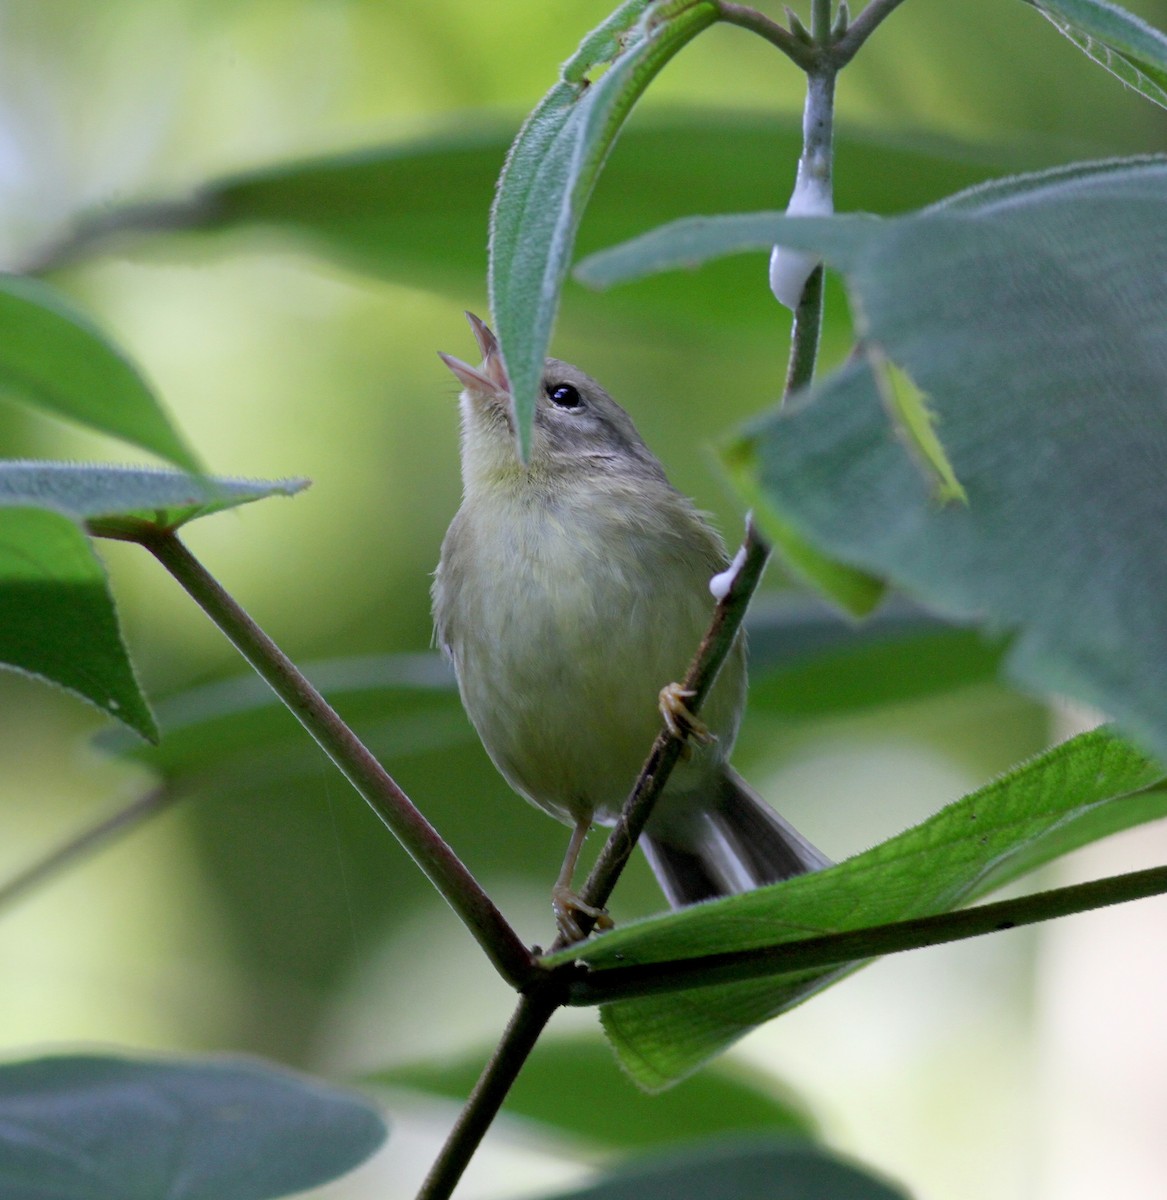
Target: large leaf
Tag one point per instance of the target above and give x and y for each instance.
(741, 1170)
(165, 499)
(90, 1128)
(1086, 788)
(57, 617)
(54, 358)
(573, 1085)
(414, 213)
(1035, 320)
(552, 168)
(1032, 314)
(1119, 41)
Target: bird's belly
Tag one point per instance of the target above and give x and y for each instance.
(563, 675)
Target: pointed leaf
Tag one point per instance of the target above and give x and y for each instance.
(54, 358)
(1086, 788)
(1124, 44)
(552, 168)
(166, 499)
(103, 1128)
(57, 617)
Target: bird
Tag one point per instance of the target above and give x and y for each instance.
(571, 593)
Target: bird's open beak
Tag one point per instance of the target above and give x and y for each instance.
(489, 380)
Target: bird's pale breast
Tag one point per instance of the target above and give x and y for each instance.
(564, 622)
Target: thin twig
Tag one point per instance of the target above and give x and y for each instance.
(87, 842)
(603, 985)
(667, 749)
(528, 1022)
(795, 49)
(860, 30)
(93, 231)
(441, 865)
(804, 339)
(548, 993)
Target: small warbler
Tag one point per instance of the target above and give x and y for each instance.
(570, 591)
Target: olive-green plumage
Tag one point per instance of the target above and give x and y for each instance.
(570, 591)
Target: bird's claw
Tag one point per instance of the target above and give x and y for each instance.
(567, 905)
(680, 721)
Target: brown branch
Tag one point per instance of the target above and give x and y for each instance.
(425, 845)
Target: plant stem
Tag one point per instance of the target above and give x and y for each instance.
(804, 336)
(528, 1022)
(441, 865)
(548, 993)
(603, 985)
(820, 21)
(749, 18)
(86, 842)
(815, 169)
(860, 30)
(667, 748)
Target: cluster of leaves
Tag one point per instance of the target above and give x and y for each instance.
(1046, 289)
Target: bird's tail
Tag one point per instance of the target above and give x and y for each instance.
(740, 843)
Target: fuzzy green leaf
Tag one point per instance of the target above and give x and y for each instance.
(1084, 789)
(552, 168)
(165, 499)
(1125, 45)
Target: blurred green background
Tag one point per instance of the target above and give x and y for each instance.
(269, 911)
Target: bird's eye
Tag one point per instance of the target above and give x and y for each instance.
(563, 395)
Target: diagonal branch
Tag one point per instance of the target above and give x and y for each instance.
(604, 985)
(667, 749)
(547, 993)
(88, 841)
(441, 865)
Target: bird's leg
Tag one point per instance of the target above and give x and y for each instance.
(680, 721)
(565, 903)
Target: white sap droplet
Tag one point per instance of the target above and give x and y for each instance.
(720, 584)
(790, 269)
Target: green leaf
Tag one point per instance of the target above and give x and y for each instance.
(742, 1170)
(103, 1128)
(1086, 788)
(856, 591)
(406, 703)
(573, 1085)
(552, 168)
(414, 213)
(165, 499)
(54, 358)
(1124, 44)
(681, 245)
(1036, 321)
(57, 617)
(268, 817)
(806, 661)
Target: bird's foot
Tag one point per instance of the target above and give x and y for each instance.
(680, 721)
(568, 906)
